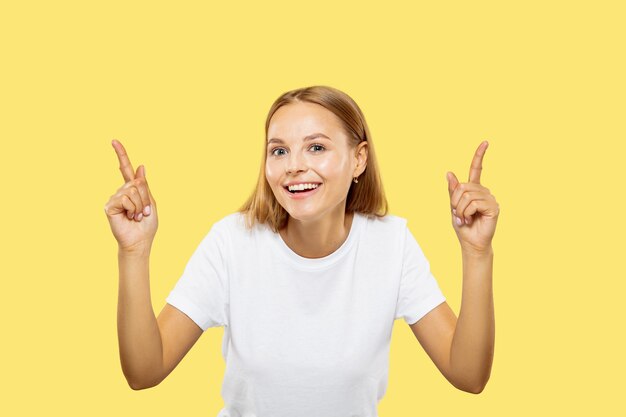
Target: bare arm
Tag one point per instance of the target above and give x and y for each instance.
(462, 349)
(471, 352)
(150, 348)
(141, 351)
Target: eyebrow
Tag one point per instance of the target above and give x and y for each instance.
(310, 137)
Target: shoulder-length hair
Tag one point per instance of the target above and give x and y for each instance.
(366, 197)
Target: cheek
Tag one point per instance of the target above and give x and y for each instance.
(271, 173)
(333, 168)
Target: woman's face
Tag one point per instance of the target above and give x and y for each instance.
(307, 145)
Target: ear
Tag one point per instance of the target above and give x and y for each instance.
(361, 154)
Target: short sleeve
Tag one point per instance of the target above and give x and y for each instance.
(202, 290)
(419, 292)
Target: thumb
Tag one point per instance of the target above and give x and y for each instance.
(141, 171)
(452, 182)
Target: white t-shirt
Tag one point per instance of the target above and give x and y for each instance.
(305, 337)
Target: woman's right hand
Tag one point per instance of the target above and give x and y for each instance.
(132, 211)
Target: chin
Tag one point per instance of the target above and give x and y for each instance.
(304, 215)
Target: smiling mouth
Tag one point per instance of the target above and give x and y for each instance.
(305, 191)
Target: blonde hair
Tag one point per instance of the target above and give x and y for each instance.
(366, 197)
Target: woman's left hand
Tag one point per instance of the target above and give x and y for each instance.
(474, 207)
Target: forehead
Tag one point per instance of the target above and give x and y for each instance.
(297, 120)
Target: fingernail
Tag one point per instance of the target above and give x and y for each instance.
(147, 210)
(139, 216)
(454, 211)
(458, 221)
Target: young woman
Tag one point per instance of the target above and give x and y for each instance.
(308, 276)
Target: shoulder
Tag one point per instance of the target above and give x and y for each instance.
(389, 230)
(229, 221)
(225, 234)
(234, 225)
(387, 224)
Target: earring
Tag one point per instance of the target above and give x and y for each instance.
(355, 180)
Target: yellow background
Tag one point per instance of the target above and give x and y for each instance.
(186, 88)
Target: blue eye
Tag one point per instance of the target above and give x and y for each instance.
(273, 151)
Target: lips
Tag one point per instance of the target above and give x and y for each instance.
(302, 194)
(300, 182)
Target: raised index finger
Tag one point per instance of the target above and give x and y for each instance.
(125, 167)
(477, 163)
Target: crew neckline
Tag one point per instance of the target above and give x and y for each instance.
(317, 263)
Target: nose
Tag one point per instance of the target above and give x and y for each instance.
(295, 164)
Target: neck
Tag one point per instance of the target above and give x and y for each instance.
(318, 238)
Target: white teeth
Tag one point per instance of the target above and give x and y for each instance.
(301, 187)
